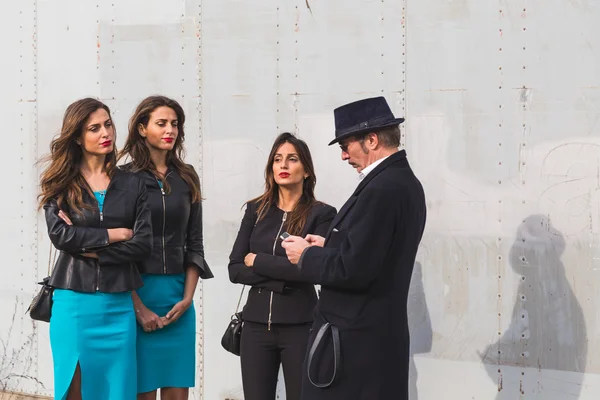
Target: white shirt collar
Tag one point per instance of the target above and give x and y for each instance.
(365, 172)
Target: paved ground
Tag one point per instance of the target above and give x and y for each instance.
(20, 396)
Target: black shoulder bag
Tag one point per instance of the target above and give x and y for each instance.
(40, 308)
(233, 334)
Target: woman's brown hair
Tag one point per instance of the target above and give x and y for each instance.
(62, 180)
(297, 218)
(136, 147)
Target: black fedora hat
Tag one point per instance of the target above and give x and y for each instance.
(363, 116)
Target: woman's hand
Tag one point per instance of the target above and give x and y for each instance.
(63, 215)
(147, 319)
(119, 235)
(176, 312)
(90, 255)
(249, 259)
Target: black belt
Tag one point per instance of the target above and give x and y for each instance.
(335, 335)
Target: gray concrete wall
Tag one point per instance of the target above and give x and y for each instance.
(501, 100)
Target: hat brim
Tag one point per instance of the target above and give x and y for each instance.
(395, 122)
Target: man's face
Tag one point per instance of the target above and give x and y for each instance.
(355, 152)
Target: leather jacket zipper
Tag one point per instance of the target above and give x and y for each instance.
(97, 276)
(274, 247)
(164, 252)
(101, 220)
(163, 230)
(97, 264)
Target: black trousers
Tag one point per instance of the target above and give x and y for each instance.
(263, 351)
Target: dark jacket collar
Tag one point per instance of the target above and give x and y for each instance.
(394, 158)
(397, 157)
(129, 168)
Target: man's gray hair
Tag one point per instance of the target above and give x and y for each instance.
(389, 137)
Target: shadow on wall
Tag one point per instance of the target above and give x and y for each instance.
(547, 329)
(419, 323)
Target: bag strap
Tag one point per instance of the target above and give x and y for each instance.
(240, 299)
(51, 260)
(335, 334)
(254, 222)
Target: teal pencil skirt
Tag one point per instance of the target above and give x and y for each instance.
(96, 330)
(166, 357)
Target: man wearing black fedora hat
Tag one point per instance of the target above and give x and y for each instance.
(359, 345)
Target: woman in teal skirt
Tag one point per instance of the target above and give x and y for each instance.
(99, 220)
(166, 341)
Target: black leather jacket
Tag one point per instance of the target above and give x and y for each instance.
(278, 293)
(177, 227)
(114, 271)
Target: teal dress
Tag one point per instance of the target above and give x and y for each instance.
(96, 331)
(166, 357)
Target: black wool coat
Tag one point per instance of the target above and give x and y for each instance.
(364, 271)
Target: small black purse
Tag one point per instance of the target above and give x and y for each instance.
(233, 334)
(40, 308)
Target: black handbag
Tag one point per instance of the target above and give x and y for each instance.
(233, 334)
(40, 308)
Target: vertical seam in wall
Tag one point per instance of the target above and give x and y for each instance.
(297, 66)
(277, 72)
(500, 262)
(200, 174)
(404, 132)
(35, 133)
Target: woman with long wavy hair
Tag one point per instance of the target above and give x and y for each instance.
(279, 311)
(98, 219)
(164, 305)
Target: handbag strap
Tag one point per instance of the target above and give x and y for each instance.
(51, 260)
(237, 308)
(335, 334)
(240, 299)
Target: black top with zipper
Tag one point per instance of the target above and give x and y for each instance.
(177, 226)
(114, 271)
(286, 300)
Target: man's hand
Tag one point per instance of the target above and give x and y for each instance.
(294, 246)
(249, 259)
(315, 240)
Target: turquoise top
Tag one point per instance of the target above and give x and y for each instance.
(100, 197)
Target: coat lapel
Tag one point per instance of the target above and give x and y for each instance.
(340, 215)
(396, 157)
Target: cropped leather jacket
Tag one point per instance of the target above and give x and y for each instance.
(278, 293)
(114, 271)
(176, 224)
